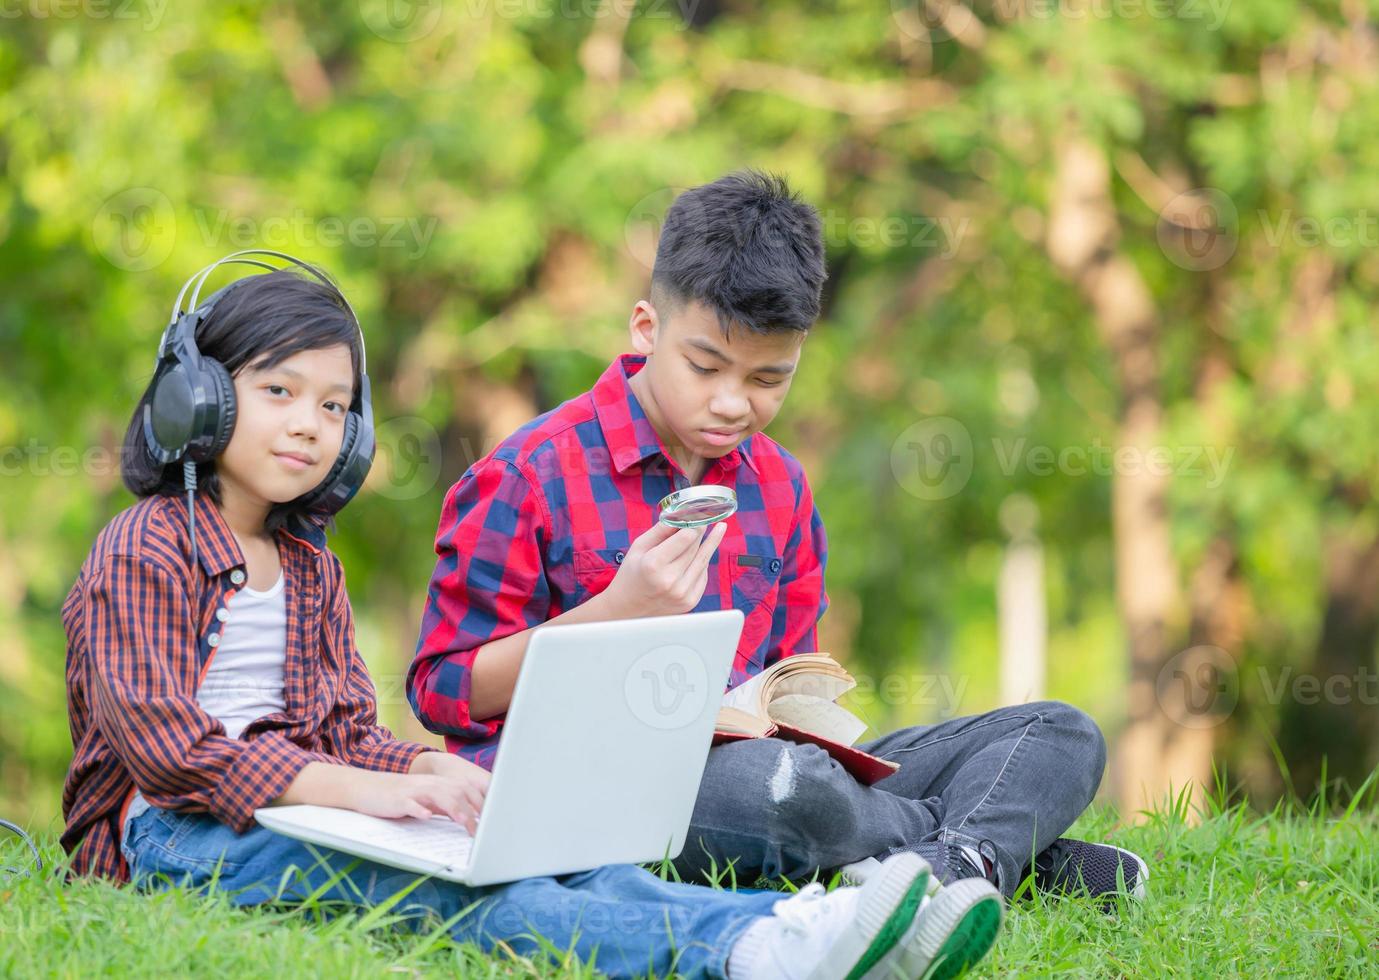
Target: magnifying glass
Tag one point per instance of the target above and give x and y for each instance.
(698, 506)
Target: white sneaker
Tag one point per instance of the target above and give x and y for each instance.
(847, 934)
(858, 872)
(956, 927)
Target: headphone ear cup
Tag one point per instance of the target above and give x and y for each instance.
(226, 408)
(319, 498)
(170, 413)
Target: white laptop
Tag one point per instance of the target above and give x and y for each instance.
(600, 759)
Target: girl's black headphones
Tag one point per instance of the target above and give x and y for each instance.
(190, 414)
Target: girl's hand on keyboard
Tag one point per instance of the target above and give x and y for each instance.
(388, 794)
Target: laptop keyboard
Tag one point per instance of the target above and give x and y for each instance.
(440, 841)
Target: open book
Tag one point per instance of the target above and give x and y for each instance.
(795, 699)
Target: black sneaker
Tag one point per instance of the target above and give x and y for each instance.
(1079, 867)
(952, 862)
(949, 862)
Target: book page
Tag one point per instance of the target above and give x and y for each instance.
(819, 716)
(812, 674)
(733, 721)
(812, 683)
(747, 695)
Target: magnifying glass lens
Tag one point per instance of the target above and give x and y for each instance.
(693, 514)
(698, 506)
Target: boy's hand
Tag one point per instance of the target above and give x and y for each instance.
(458, 795)
(451, 766)
(664, 572)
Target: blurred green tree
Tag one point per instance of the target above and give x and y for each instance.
(1114, 260)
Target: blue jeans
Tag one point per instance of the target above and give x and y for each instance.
(620, 919)
(1017, 776)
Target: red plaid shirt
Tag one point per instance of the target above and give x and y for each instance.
(540, 525)
(142, 626)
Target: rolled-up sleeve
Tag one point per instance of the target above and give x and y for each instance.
(489, 582)
(138, 620)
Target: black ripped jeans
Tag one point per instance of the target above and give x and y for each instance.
(1017, 776)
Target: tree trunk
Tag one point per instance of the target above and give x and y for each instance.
(1154, 758)
(1335, 719)
(1022, 607)
(1219, 604)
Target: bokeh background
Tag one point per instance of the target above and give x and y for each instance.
(1091, 412)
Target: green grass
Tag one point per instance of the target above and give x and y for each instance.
(1233, 893)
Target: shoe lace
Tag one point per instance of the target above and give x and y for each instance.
(987, 850)
(802, 912)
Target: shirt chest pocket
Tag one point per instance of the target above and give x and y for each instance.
(748, 578)
(752, 582)
(594, 571)
(753, 577)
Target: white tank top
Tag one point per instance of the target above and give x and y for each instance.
(245, 679)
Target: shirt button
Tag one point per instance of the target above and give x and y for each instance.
(775, 564)
(222, 614)
(237, 576)
(619, 557)
(213, 639)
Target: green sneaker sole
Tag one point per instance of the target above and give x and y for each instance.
(897, 923)
(958, 928)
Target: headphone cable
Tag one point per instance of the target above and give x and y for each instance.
(189, 482)
(38, 858)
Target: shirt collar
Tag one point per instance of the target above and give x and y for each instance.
(219, 551)
(630, 436)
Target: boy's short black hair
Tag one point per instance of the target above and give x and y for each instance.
(259, 323)
(747, 248)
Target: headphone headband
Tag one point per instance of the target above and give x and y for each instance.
(190, 412)
(198, 280)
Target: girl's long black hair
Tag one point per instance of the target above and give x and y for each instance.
(261, 322)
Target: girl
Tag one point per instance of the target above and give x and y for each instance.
(212, 670)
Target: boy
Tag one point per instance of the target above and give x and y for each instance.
(559, 524)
